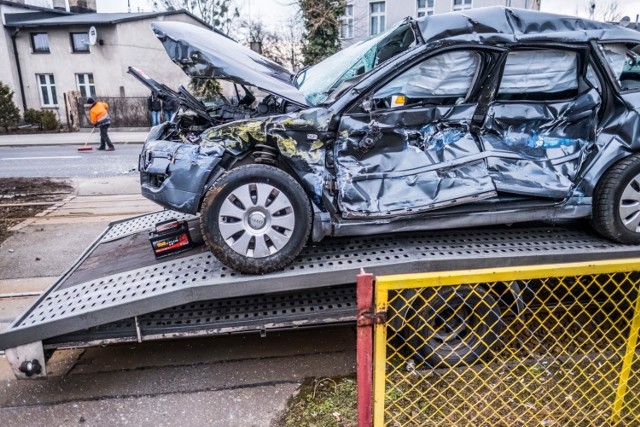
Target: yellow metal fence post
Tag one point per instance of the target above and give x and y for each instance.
(379, 358)
(626, 363)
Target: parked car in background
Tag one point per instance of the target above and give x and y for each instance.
(472, 118)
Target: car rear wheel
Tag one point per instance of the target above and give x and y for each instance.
(256, 219)
(616, 204)
(454, 326)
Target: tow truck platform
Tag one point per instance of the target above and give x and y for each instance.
(117, 291)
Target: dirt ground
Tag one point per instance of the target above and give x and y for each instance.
(22, 198)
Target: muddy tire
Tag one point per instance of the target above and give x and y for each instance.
(256, 219)
(616, 202)
(457, 326)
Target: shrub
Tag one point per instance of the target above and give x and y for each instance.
(44, 119)
(33, 117)
(49, 120)
(9, 113)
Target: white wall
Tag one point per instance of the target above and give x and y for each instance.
(8, 71)
(399, 9)
(128, 43)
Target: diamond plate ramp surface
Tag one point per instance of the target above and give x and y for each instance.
(326, 306)
(332, 262)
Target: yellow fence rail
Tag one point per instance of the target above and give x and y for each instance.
(552, 345)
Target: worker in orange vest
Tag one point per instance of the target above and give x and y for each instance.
(100, 117)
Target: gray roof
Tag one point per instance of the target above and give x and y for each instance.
(88, 19)
(509, 25)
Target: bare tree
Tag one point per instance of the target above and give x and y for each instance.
(220, 14)
(603, 10)
(292, 34)
(282, 45)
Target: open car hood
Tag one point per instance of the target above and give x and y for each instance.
(206, 54)
(164, 92)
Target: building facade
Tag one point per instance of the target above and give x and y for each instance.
(50, 52)
(365, 18)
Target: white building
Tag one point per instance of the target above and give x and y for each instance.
(365, 18)
(46, 53)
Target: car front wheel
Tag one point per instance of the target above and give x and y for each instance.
(256, 219)
(616, 204)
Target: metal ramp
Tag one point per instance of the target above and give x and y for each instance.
(319, 307)
(117, 279)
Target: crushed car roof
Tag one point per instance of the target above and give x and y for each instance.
(507, 25)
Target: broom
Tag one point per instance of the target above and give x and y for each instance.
(84, 147)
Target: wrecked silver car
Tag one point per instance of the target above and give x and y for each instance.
(481, 117)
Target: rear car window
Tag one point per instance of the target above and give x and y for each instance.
(539, 75)
(624, 61)
(442, 79)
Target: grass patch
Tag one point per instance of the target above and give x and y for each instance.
(323, 402)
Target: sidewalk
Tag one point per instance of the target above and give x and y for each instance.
(73, 138)
(46, 245)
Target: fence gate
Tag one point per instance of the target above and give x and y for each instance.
(124, 112)
(547, 345)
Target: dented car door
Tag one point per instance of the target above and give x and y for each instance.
(539, 130)
(416, 149)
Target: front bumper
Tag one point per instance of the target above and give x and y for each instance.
(174, 175)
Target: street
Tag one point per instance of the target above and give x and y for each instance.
(225, 381)
(65, 161)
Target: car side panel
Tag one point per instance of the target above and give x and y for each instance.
(538, 148)
(409, 161)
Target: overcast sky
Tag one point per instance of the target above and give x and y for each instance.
(577, 7)
(277, 11)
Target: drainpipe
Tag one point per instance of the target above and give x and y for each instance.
(15, 53)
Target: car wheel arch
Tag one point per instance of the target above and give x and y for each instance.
(598, 167)
(246, 159)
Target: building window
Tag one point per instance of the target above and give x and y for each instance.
(346, 23)
(80, 42)
(47, 84)
(86, 85)
(461, 4)
(40, 42)
(377, 11)
(424, 8)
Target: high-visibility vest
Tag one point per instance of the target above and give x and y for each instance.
(99, 113)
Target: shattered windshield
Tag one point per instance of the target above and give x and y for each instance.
(316, 83)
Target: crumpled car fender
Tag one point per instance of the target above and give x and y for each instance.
(298, 138)
(188, 167)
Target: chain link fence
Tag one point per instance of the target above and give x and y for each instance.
(534, 346)
(124, 112)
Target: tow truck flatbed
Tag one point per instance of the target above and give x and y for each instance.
(117, 291)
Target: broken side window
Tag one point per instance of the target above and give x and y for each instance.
(539, 75)
(593, 79)
(624, 60)
(445, 79)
